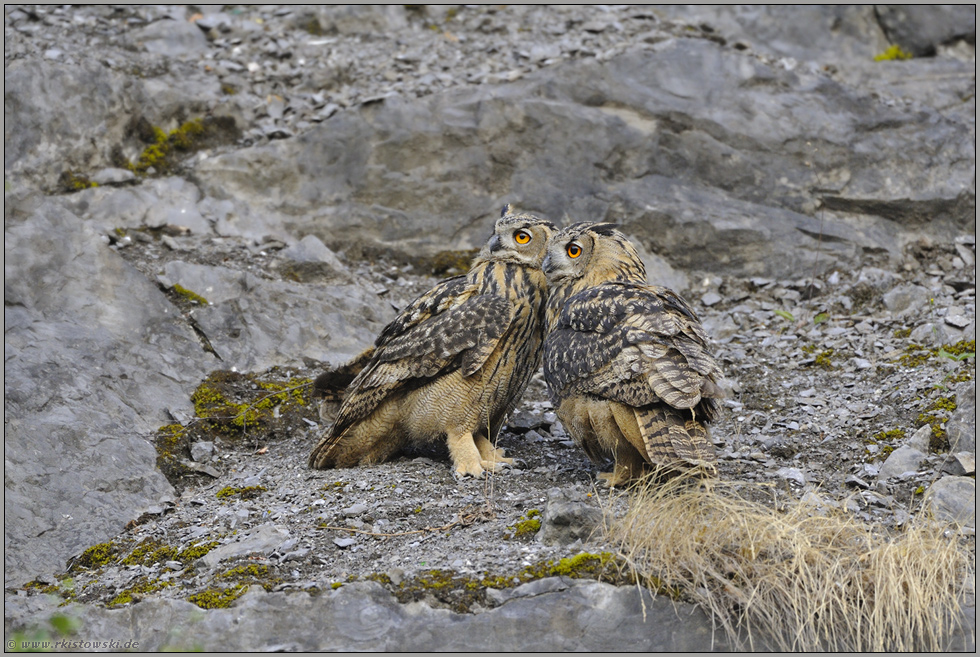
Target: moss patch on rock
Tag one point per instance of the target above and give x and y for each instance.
(526, 526)
(165, 150)
(217, 597)
(242, 492)
(95, 556)
(460, 592)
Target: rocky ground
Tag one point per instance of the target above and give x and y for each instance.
(851, 403)
(838, 286)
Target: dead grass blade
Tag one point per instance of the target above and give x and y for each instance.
(793, 580)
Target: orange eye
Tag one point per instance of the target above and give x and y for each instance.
(522, 237)
(573, 250)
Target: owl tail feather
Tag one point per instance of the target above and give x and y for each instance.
(671, 440)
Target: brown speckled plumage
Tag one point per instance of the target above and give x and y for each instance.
(454, 362)
(627, 364)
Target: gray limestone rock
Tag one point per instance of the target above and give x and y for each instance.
(589, 616)
(37, 97)
(906, 300)
(954, 499)
(253, 323)
(94, 355)
(902, 460)
(960, 463)
(919, 29)
(170, 38)
(920, 439)
(311, 249)
(681, 185)
(262, 539)
(565, 521)
(961, 429)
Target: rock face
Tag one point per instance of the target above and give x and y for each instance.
(583, 616)
(89, 373)
(684, 144)
(264, 186)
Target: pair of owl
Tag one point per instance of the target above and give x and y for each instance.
(627, 364)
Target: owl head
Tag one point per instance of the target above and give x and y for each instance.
(592, 253)
(519, 238)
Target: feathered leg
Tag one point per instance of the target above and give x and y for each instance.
(463, 452)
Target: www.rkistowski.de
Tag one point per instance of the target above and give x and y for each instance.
(72, 644)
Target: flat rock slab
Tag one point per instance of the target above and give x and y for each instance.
(560, 615)
(587, 616)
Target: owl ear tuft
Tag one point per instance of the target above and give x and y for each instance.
(506, 210)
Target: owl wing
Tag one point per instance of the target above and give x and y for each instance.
(450, 327)
(635, 344)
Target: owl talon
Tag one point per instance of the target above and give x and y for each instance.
(612, 479)
(496, 466)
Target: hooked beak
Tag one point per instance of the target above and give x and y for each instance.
(546, 263)
(495, 243)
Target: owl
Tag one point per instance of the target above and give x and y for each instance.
(454, 362)
(627, 364)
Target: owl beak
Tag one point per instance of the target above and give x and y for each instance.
(546, 263)
(495, 243)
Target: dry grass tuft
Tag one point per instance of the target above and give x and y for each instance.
(794, 580)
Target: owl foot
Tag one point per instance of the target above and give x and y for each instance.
(614, 479)
(490, 454)
(466, 457)
(496, 465)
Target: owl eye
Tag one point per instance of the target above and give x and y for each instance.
(573, 250)
(522, 237)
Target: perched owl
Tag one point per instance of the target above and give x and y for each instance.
(626, 363)
(454, 362)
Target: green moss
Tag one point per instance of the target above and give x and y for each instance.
(243, 492)
(41, 587)
(69, 181)
(230, 417)
(935, 415)
(217, 598)
(585, 565)
(251, 570)
(123, 598)
(150, 552)
(190, 296)
(893, 53)
(902, 333)
(824, 360)
(228, 89)
(380, 578)
(143, 586)
(461, 592)
(528, 526)
(164, 149)
(95, 556)
(916, 355)
(336, 585)
(891, 434)
(965, 348)
(196, 551)
(172, 445)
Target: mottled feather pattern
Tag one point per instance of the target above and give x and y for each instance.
(454, 362)
(627, 364)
